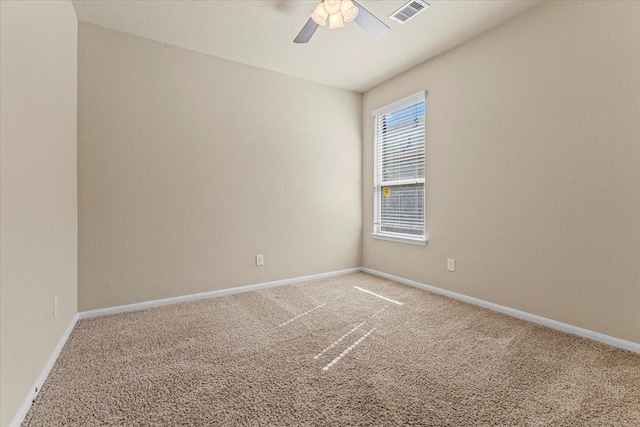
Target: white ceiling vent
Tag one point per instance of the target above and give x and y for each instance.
(408, 11)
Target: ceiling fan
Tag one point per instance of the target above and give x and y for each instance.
(338, 12)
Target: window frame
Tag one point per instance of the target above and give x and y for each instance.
(377, 233)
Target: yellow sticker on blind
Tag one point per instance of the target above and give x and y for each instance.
(386, 191)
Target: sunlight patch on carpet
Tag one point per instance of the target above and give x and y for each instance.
(301, 315)
(377, 295)
(347, 350)
(336, 342)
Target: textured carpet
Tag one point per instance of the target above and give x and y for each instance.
(325, 353)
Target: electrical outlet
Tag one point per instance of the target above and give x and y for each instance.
(55, 306)
(451, 264)
(259, 259)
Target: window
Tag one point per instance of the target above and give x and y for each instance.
(399, 170)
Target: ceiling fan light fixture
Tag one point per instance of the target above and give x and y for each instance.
(338, 12)
(336, 20)
(349, 10)
(320, 15)
(331, 7)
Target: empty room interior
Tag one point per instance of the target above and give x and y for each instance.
(320, 213)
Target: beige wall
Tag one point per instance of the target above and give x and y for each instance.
(190, 165)
(38, 218)
(533, 167)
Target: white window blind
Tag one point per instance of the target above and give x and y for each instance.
(399, 169)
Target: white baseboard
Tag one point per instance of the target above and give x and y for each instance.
(28, 400)
(212, 294)
(585, 333)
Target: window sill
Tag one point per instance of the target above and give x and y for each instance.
(400, 239)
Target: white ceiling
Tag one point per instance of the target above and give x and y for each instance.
(261, 33)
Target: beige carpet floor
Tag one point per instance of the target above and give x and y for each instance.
(325, 353)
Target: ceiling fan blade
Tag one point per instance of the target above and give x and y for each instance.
(372, 25)
(306, 32)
